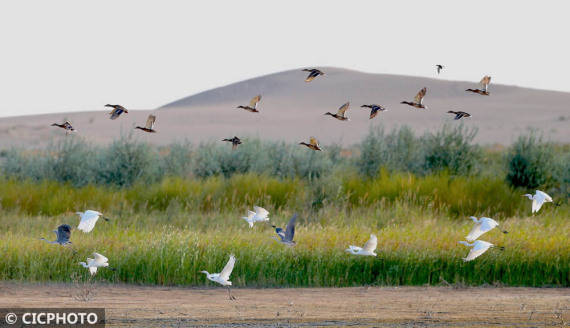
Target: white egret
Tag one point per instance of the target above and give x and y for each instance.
(368, 248)
(477, 249)
(88, 220)
(249, 218)
(223, 277)
(481, 226)
(260, 215)
(98, 261)
(287, 235)
(539, 198)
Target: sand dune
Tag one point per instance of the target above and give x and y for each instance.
(292, 110)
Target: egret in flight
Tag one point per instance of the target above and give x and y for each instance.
(260, 215)
(88, 220)
(223, 277)
(287, 235)
(63, 233)
(98, 261)
(368, 248)
(539, 198)
(477, 249)
(481, 226)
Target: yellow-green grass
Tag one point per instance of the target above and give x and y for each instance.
(456, 196)
(416, 246)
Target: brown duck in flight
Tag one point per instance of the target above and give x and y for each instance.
(340, 113)
(235, 142)
(117, 111)
(252, 104)
(313, 73)
(313, 144)
(485, 81)
(149, 126)
(459, 114)
(66, 125)
(374, 109)
(418, 100)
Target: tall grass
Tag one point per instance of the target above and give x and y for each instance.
(171, 249)
(451, 195)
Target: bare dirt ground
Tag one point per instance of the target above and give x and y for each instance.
(134, 306)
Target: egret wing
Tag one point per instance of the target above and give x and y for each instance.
(88, 220)
(342, 109)
(478, 249)
(260, 212)
(542, 196)
(371, 244)
(475, 232)
(420, 96)
(488, 224)
(100, 258)
(225, 274)
(150, 122)
(355, 248)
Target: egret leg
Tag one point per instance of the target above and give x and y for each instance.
(230, 296)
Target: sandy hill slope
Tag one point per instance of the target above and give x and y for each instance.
(292, 110)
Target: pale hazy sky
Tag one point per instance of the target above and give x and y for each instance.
(74, 55)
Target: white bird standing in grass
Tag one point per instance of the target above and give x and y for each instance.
(98, 261)
(368, 248)
(477, 249)
(88, 220)
(481, 226)
(223, 277)
(539, 198)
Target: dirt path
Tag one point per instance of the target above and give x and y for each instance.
(131, 306)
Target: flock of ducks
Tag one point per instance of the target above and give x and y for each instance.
(118, 110)
(89, 218)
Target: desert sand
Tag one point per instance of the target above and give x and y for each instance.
(292, 110)
(133, 306)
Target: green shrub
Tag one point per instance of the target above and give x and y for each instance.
(452, 149)
(530, 162)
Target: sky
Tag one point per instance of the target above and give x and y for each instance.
(61, 56)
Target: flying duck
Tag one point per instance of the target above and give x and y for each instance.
(313, 144)
(340, 113)
(252, 104)
(459, 114)
(439, 68)
(66, 125)
(485, 81)
(374, 109)
(117, 111)
(418, 100)
(313, 73)
(149, 126)
(235, 142)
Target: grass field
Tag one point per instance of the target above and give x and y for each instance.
(166, 233)
(177, 210)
